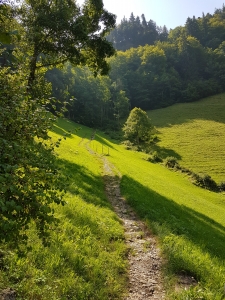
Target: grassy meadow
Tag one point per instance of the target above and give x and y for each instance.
(195, 134)
(188, 220)
(87, 258)
(87, 255)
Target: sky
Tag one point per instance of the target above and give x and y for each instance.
(171, 13)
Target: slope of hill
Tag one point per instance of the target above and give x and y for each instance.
(195, 134)
(188, 220)
(87, 256)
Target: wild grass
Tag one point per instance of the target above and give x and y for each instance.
(195, 134)
(189, 221)
(87, 255)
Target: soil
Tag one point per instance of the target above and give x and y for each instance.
(145, 262)
(8, 294)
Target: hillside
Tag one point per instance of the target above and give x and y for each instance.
(87, 258)
(195, 134)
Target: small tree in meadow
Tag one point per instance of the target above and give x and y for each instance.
(138, 126)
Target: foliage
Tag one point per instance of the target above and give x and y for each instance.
(40, 35)
(56, 32)
(158, 72)
(205, 181)
(154, 158)
(135, 32)
(29, 178)
(171, 162)
(138, 126)
(87, 255)
(98, 102)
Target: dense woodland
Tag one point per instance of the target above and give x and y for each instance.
(153, 68)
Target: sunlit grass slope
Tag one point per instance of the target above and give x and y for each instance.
(195, 134)
(87, 256)
(189, 221)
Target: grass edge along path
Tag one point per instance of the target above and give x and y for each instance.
(145, 261)
(87, 255)
(188, 220)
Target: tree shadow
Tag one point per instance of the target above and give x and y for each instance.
(60, 130)
(179, 219)
(104, 142)
(84, 183)
(91, 190)
(164, 152)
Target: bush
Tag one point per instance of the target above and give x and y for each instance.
(204, 181)
(171, 162)
(137, 128)
(154, 158)
(221, 186)
(30, 180)
(128, 145)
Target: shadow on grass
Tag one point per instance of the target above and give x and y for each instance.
(90, 189)
(179, 219)
(84, 183)
(165, 152)
(104, 142)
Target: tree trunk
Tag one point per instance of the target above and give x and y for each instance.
(33, 66)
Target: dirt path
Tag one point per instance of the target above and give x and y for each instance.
(145, 263)
(145, 279)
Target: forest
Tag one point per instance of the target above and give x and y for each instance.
(153, 68)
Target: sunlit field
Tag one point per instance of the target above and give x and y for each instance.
(87, 255)
(87, 258)
(195, 134)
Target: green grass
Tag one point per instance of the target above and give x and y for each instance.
(87, 256)
(188, 220)
(195, 134)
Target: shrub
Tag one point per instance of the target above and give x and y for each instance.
(154, 158)
(138, 126)
(128, 145)
(221, 186)
(171, 162)
(204, 181)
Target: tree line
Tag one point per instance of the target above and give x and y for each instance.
(182, 65)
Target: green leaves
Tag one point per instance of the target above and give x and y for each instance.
(29, 178)
(138, 126)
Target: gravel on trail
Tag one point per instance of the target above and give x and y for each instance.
(145, 262)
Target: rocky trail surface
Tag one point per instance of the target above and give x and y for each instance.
(145, 262)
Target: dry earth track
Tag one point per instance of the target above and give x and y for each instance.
(145, 262)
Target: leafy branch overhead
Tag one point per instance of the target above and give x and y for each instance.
(34, 36)
(58, 31)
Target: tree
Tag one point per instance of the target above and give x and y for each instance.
(29, 178)
(138, 126)
(51, 32)
(58, 31)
